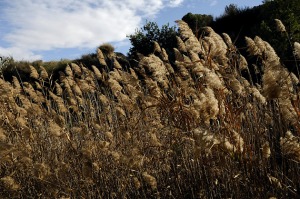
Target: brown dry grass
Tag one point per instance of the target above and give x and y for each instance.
(191, 129)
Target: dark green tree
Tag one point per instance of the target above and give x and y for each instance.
(142, 40)
(288, 13)
(197, 21)
(231, 9)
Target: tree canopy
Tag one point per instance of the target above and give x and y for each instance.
(260, 21)
(236, 22)
(142, 40)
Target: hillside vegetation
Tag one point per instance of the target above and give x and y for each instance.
(259, 20)
(190, 128)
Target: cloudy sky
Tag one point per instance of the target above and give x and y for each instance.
(56, 29)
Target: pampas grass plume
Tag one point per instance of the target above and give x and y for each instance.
(97, 72)
(33, 72)
(181, 45)
(9, 183)
(154, 140)
(100, 57)
(58, 89)
(266, 151)
(150, 180)
(251, 47)
(2, 135)
(290, 146)
(68, 71)
(41, 170)
(157, 48)
(137, 183)
(43, 73)
(279, 25)
(297, 49)
(54, 129)
(76, 69)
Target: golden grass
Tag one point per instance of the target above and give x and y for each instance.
(191, 129)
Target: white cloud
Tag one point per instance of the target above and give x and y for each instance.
(40, 25)
(175, 3)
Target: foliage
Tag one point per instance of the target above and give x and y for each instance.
(259, 20)
(107, 48)
(5, 62)
(142, 40)
(21, 69)
(287, 11)
(89, 60)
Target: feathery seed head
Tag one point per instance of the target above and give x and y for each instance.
(154, 140)
(243, 64)
(137, 183)
(252, 48)
(228, 40)
(150, 180)
(117, 65)
(33, 72)
(58, 89)
(101, 58)
(76, 69)
(2, 135)
(279, 25)
(68, 71)
(180, 44)
(266, 151)
(157, 47)
(290, 146)
(43, 73)
(41, 170)
(297, 49)
(54, 129)
(114, 86)
(97, 72)
(164, 55)
(191, 42)
(9, 183)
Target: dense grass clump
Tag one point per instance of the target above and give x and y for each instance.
(190, 128)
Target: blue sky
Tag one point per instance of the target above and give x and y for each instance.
(56, 29)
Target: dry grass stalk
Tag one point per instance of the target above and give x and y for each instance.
(196, 119)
